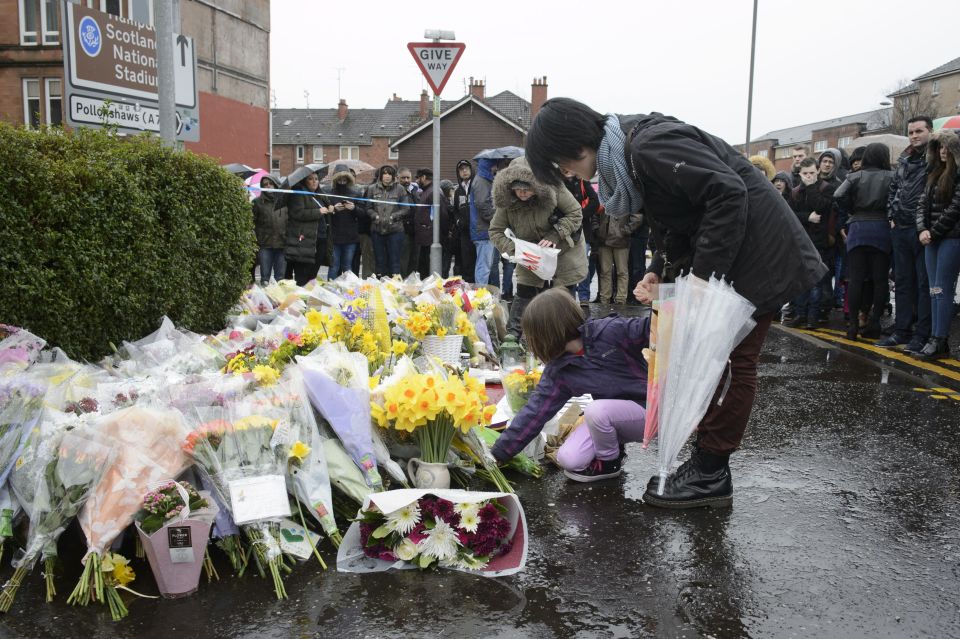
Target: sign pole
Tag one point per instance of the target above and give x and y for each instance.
(436, 249)
(166, 89)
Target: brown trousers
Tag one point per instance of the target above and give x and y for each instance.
(721, 429)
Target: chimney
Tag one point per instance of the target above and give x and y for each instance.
(477, 89)
(424, 105)
(538, 95)
(342, 110)
(396, 98)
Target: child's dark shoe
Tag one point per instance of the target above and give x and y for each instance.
(597, 470)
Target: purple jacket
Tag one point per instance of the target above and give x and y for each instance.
(612, 367)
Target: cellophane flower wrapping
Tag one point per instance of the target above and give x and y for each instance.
(56, 479)
(337, 383)
(469, 531)
(237, 447)
(18, 349)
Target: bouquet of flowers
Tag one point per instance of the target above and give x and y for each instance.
(518, 385)
(454, 529)
(239, 454)
(18, 347)
(165, 503)
(21, 404)
(432, 407)
(57, 481)
(146, 441)
(337, 383)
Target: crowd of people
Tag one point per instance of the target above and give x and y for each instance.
(386, 228)
(881, 228)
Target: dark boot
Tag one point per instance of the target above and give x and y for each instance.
(872, 329)
(703, 480)
(852, 329)
(935, 348)
(517, 307)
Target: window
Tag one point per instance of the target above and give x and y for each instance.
(764, 153)
(783, 152)
(935, 88)
(54, 102)
(299, 154)
(318, 154)
(845, 141)
(124, 8)
(274, 165)
(31, 103)
(820, 145)
(29, 21)
(349, 152)
(393, 154)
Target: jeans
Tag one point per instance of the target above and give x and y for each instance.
(840, 276)
(342, 260)
(484, 261)
(506, 290)
(807, 304)
(913, 290)
(943, 265)
(583, 289)
(388, 249)
(272, 262)
(608, 423)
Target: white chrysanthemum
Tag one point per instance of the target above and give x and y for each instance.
(469, 521)
(407, 550)
(463, 509)
(465, 561)
(441, 542)
(404, 519)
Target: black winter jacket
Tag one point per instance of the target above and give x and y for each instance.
(940, 217)
(584, 193)
(423, 219)
(305, 225)
(816, 198)
(907, 187)
(863, 195)
(344, 224)
(700, 191)
(270, 221)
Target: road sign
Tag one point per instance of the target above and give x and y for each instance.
(110, 68)
(436, 60)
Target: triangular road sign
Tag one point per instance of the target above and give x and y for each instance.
(437, 60)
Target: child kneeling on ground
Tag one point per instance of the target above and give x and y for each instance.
(601, 357)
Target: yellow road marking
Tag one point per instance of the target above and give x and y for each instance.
(942, 390)
(888, 353)
(938, 397)
(922, 390)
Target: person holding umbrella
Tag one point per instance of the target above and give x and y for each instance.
(306, 225)
(270, 225)
(719, 216)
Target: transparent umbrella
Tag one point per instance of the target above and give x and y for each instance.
(710, 318)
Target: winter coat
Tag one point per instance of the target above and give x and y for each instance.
(305, 225)
(461, 209)
(344, 224)
(863, 195)
(530, 221)
(720, 211)
(423, 219)
(481, 201)
(270, 221)
(909, 180)
(616, 232)
(788, 179)
(936, 212)
(816, 198)
(388, 218)
(583, 192)
(612, 367)
(764, 165)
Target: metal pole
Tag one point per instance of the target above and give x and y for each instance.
(753, 52)
(164, 26)
(436, 249)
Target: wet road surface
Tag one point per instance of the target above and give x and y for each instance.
(845, 523)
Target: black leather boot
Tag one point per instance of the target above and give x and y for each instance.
(703, 480)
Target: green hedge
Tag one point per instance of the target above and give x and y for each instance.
(100, 236)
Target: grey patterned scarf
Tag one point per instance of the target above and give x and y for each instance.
(618, 194)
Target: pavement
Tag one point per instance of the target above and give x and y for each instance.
(845, 523)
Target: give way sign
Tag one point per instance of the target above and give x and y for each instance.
(436, 60)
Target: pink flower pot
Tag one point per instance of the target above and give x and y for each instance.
(175, 553)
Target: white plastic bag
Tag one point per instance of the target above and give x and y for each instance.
(540, 260)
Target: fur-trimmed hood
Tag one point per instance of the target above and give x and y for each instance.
(503, 197)
(341, 171)
(765, 166)
(944, 137)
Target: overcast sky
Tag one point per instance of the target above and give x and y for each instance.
(816, 59)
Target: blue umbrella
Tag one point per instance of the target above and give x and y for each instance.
(502, 153)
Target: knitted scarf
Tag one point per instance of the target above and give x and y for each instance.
(618, 194)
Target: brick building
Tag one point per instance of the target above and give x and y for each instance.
(778, 145)
(401, 133)
(232, 81)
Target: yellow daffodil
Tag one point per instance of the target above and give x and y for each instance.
(265, 375)
(118, 567)
(398, 348)
(299, 450)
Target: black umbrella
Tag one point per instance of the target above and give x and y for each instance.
(241, 170)
(502, 153)
(298, 175)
